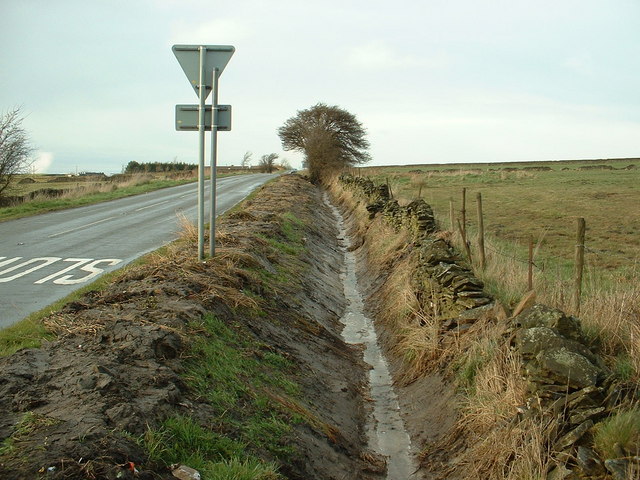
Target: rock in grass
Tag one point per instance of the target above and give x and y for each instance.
(619, 468)
(185, 473)
(589, 462)
(567, 367)
(560, 473)
(574, 435)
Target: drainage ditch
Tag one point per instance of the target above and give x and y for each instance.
(385, 429)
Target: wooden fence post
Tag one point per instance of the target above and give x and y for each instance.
(463, 212)
(464, 241)
(480, 231)
(530, 277)
(579, 264)
(451, 215)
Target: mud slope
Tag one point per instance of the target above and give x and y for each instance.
(126, 358)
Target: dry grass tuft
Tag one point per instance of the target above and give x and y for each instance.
(613, 319)
(188, 230)
(509, 451)
(497, 445)
(331, 432)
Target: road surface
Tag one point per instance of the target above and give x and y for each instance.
(46, 257)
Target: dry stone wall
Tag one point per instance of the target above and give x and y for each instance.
(570, 387)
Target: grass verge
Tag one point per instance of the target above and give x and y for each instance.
(234, 374)
(82, 197)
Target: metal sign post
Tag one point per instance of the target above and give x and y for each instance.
(214, 162)
(200, 64)
(202, 93)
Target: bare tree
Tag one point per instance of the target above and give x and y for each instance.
(268, 162)
(246, 159)
(15, 148)
(330, 138)
(285, 164)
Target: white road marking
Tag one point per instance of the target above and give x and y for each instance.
(7, 262)
(78, 262)
(89, 265)
(151, 206)
(91, 268)
(81, 227)
(45, 261)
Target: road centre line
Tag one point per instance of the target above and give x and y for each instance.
(150, 206)
(81, 227)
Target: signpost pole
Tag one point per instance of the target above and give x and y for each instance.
(201, 63)
(201, 128)
(214, 161)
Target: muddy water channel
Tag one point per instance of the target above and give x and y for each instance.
(385, 430)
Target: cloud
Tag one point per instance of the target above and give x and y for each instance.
(581, 63)
(42, 162)
(377, 55)
(223, 31)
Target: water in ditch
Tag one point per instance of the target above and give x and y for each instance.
(385, 430)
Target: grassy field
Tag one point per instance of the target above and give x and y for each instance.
(541, 200)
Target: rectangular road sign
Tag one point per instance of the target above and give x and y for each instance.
(187, 118)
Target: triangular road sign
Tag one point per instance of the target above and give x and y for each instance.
(216, 56)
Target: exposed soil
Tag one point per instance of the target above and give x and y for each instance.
(117, 367)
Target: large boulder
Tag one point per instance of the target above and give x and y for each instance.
(544, 316)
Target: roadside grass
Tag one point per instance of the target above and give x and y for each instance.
(87, 196)
(234, 373)
(28, 333)
(182, 441)
(248, 385)
(291, 240)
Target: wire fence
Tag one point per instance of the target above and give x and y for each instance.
(547, 256)
(535, 259)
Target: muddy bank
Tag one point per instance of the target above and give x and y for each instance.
(127, 357)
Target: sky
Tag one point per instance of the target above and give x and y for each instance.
(432, 81)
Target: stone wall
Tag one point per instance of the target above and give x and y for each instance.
(441, 271)
(570, 387)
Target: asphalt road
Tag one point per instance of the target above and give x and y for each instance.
(46, 257)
